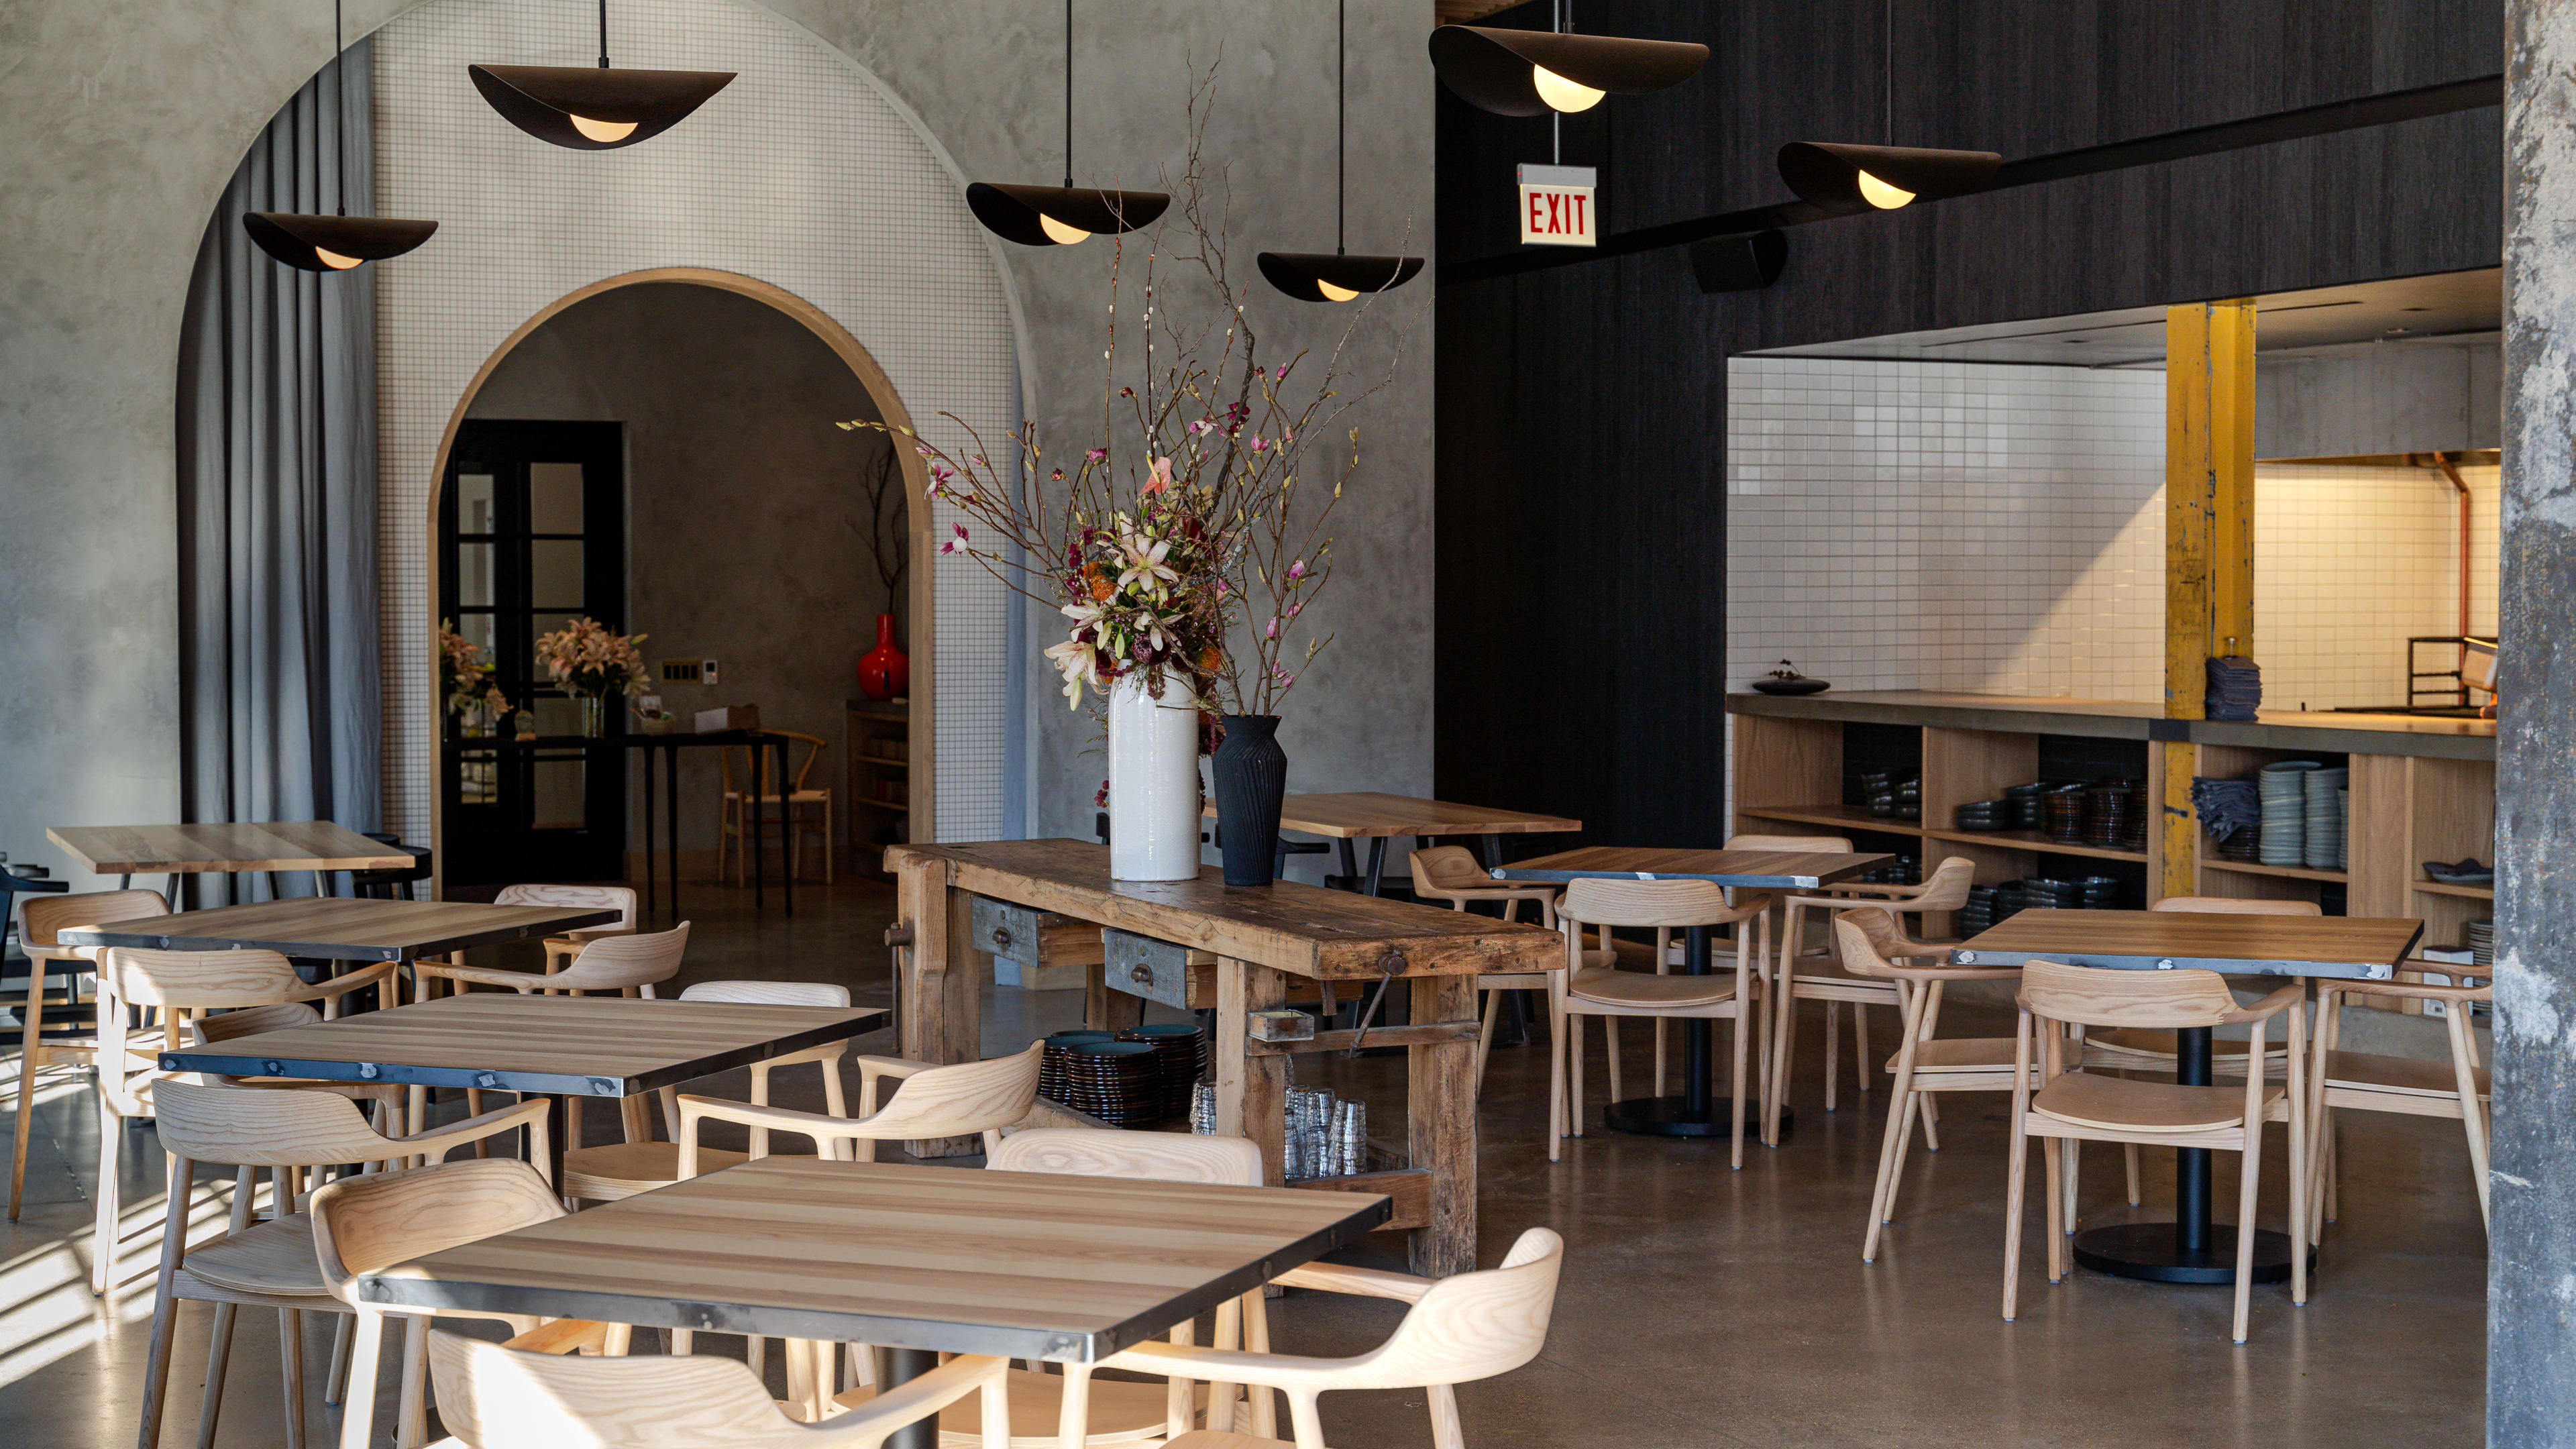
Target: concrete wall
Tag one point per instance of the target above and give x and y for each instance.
(745, 527)
(2365, 400)
(126, 117)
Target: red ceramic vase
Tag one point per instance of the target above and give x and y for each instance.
(886, 671)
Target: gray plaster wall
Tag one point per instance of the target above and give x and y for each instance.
(124, 118)
(745, 531)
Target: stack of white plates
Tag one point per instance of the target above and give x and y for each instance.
(2323, 849)
(2343, 823)
(2482, 942)
(2284, 832)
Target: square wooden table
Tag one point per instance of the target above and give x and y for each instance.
(342, 929)
(127, 851)
(1376, 818)
(1697, 1112)
(2355, 947)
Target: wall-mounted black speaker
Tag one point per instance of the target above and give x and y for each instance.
(1746, 262)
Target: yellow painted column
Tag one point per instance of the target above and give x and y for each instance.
(2209, 540)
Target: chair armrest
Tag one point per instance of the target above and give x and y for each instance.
(1230, 1366)
(2415, 990)
(1875, 889)
(564, 1335)
(363, 976)
(869, 1423)
(475, 1129)
(876, 1066)
(2270, 1006)
(826, 1131)
(519, 981)
(1367, 1282)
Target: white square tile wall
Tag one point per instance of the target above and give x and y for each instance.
(802, 173)
(2351, 561)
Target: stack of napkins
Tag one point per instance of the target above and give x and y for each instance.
(2225, 806)
(2235, 688)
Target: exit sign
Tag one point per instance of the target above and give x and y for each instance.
(1556, 206)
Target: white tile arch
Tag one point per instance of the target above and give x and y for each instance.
(804, 173)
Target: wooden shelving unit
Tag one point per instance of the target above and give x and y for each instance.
(2464, 892)
(880, 748)
(2282, 872)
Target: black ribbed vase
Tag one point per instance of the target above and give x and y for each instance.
(1251, 782)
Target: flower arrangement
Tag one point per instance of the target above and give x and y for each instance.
(585, 659)
(1185, 543)
(464, 674)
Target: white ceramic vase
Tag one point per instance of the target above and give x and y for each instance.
(1153, 784)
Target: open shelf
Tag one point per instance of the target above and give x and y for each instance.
(2466, 892)
(1848, 817)
(899, 809)
(882, 762)
(2033, 840)
(2286, 872)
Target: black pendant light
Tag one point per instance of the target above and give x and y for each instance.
(339, 242)
(1340, 277)
(1851, 180)
(594, 108)
(1533, 72)
(1059, 216)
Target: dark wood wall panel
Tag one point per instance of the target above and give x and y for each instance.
(1581, 411)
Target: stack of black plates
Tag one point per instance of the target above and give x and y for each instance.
(2111, 814)
(2024, 800)
(1118, 1082)
(1892, 796)
(2061, 813)
(1984, 815)
(1991, 905)
(2101, 892)
(1180, 1055)
(2052, 895)
(1051, 1081)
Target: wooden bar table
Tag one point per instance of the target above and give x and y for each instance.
(915, 1260)
(1261, 937)
(1376, 818)
(553, 1046)
(1697, 1112)
(2361, 948)
(126, 851)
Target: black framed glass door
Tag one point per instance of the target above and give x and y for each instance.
(532, 536)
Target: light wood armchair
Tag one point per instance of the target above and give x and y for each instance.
(365, 1224)
(560, 950)
(2365, 1082)
(1450, 873)
(2059, 1104)
(1944, 890)
(495, 1397)
(270, 1264)
(1460, 1329)
(41, 920)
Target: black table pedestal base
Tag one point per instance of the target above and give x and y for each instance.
(1673, 1117)
(2153, 1251)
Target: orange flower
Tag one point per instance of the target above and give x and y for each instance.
(1209, 659)
(1100, 585)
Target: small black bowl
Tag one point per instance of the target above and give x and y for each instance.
(1768, 685)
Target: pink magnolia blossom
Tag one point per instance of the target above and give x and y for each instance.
(1272, 632)
(1160, 478)
(1297, 570)
(1095, 455)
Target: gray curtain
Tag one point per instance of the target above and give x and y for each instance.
(279, 687)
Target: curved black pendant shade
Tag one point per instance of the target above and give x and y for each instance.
(1021, 213)
(586, 108)
(1850, 180)
(1533, 72)
(333, 243)
(1333, 277)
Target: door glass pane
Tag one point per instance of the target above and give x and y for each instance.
(474, 575)
(478, 628)
(554, 498)
(554, 573)
(474, 503)
(556, 714)
(558, 792)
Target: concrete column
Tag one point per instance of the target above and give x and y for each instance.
(2531, 1270)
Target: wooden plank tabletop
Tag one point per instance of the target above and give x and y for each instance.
(1779, 869)
(1025, 1265)
(1300, 929)
(586, 1046)
(342, 929)
(1361, 814)
(2361, 947)
(191, 849)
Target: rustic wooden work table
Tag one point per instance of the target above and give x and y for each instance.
(1260, 938)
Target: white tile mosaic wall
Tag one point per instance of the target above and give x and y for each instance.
(801, 173)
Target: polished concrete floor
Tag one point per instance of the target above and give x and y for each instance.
(1699, 1306)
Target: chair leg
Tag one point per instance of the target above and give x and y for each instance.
(1739, 1028)
(219, 1357)
(111, 1134)
(1574, 1075)
(1610, 1046)
(1485, 1034)
(165, 1306)
(1926, 1108)
(2052, 1154)
(474, 1108)
(1833, 1048)
(1891, 1158)
(290, 1372)
(2473, 1118)
(2251, 1180)
(1904, 1124)
(412, 1425)
(2017, 1172)
(28, 1061)
(1860, 1047)
(2073, 1153)
(335, 1389)
(358, 1404)
(1555, 1076)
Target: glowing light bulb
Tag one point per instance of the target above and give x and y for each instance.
(337, 262)
(1059, 233)
(1881, 195)
(1562, 94)
(1333, 293)
(603, 131)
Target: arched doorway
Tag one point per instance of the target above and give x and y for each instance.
(734, 527)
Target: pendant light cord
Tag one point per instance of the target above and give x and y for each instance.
(1068, 94)
(340, 106)
(1556, 118)
(1341, 121)
(603, 34)
(1887, 65)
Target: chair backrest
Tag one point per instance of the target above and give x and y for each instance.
(613, 963)
(494, 1397)
(42, 919)
(263, 1126)
(251, 1021)
(195, 979)
(1599, 901)
(770, 993)
(755, 766)
(1819, 844)
(1946, 889)
(2104, 996)
(1447, 868)
(1144, 1156)
(962, 1099)
(2235, 906)
(1871, 942)
(362, 1224)
(1472, 1326)
(620, 899)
